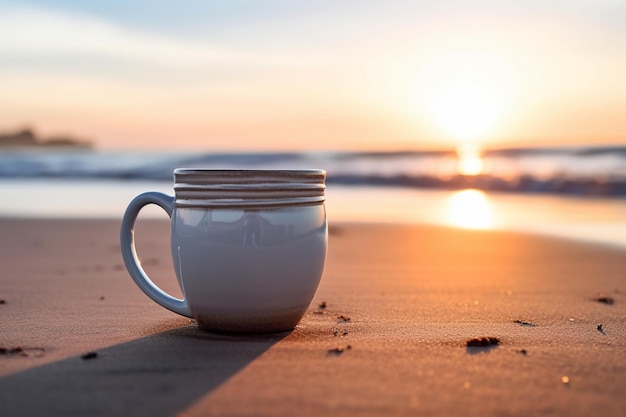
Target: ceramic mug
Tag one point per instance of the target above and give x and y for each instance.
(249, 247)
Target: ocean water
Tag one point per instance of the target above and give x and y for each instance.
(577, 193)
(573, 171)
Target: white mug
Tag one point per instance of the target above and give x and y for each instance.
(249, 247)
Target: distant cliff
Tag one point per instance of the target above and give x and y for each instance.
(27, 139)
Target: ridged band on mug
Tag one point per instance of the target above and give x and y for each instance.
(248, 188)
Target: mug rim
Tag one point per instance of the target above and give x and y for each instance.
(248, 188)
(309, 171)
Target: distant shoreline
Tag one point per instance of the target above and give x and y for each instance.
(27, 139)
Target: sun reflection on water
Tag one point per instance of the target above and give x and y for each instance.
(469, 209)
(470, 161)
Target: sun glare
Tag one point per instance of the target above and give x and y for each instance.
(466, 95)
(464, 112)
(469, 209)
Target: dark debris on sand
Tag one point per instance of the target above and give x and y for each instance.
(605, 300)
(524, 323)
(338, 350)
(22, 351)
(11, 351)
(320, 308)
(3, 301)
(90, 355)
(483, 341)
(343, 318)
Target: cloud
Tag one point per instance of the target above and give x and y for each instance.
(44, 34)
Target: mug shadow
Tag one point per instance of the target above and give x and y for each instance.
(159, 375)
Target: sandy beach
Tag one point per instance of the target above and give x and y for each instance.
(401, 302)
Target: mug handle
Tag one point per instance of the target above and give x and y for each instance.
(129, 252)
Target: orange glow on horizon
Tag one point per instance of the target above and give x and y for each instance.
(198, 81)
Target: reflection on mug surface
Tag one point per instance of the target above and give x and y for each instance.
(256, 261)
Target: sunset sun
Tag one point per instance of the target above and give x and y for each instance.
(465, 96)
(464, 112)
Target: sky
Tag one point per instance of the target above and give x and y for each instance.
(315, 75)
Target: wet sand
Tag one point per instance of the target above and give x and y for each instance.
(401, 302)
